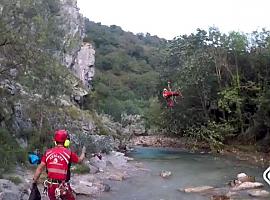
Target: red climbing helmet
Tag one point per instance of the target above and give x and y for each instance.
(60, 135)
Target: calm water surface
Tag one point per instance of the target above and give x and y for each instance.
(188, 170)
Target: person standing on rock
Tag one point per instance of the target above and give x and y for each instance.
(57, 161)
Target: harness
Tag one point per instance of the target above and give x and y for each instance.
(61, 190)
(62, 185)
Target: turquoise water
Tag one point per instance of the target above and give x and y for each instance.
(188, 170)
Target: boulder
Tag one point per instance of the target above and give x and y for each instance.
(247, 185)
(242, 177)
(165, 174)
(85, 189)
(117, 177)
(258, 193)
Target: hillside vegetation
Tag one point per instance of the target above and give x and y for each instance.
(127, 68)
(225, 82)
(224, 79)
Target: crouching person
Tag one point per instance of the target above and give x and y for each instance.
(57, 161)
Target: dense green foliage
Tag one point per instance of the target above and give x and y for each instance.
(9, 151)
(29, 35)
(127, 69)
(225, 83)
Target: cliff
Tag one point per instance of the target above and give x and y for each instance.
(45, 69)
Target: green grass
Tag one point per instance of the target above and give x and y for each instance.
(81, 169)
(15, 179)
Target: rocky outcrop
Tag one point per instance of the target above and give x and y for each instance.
(84, 64)
(130, 126)
(73, 29)
(10, 191)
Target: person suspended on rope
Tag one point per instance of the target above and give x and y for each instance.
(170, 95)
(56, 160)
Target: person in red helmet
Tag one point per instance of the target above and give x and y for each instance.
(56, 160)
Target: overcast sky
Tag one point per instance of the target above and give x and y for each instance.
(170, 18)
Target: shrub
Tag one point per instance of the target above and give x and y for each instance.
(15, 179)
(213, 134)
(10, 151)
(81, 169)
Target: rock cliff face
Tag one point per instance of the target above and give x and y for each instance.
(77, 56)
(84, 64)
(35, 97)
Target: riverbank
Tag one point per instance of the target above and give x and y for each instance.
(102, 174)
(241, 152)
(115, 171)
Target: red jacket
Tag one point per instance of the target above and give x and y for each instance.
(168, 94)
(57, 160)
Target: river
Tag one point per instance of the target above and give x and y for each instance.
(188, 170)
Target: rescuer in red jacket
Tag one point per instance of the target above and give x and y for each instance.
(168, 95)
(56, 160)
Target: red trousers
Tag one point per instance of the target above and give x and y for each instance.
(66, 191)
(170, 102)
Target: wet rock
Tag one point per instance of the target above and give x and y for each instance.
(242, 177)
(247, 185)
(165, 174)
(117, 177)
(107, 188)
(197, 189)
(258, 193)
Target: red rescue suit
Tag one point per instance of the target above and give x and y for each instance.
(57, 160)
(168, 96)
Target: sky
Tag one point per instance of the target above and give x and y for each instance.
(170, 18)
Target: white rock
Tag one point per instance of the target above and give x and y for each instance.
(197, 189)
(165, 174)
(90, 184)
(247, 185)
(241, 175)
(258, 193)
